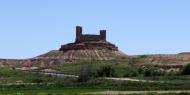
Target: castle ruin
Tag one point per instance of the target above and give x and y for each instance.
(87, 41)
(87, 38)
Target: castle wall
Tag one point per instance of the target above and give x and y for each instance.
(83, 38)
(91, 38)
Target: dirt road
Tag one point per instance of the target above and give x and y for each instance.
(130, 79)
(110, 78)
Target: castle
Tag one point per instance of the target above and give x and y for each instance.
(87, 41)
(84, 38)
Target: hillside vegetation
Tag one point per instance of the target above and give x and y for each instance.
(160, 72)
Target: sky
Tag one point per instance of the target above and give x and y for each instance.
(32, 27)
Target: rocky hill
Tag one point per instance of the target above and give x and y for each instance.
(164, 59)
(92, 48)
(85, 48)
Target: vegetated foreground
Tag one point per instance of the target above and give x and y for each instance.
(161, 77)
(132, 73)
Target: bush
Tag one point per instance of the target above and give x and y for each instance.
(150, 71)
(37, 80)
(87, 71)
(147, 73)
(131, 72)
(186, 70)
(106, 71)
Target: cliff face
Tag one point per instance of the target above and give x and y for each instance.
(89, 46)
(60, 57)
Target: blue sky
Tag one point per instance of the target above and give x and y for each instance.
(32, 27)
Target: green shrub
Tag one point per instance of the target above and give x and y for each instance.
(106, 71)
(186, 70)
(37, 80)
(150, 71)
(131, 72)
(147, 72)
(87, 71)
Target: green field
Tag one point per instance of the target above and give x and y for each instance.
(63, 91)
(92, 79)
(72, 91)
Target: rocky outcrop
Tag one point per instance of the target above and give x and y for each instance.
(89, 46)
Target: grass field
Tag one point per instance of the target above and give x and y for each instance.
(63, 91)
(25, 83)
(72, 91)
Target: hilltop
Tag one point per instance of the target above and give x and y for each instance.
(87, 47)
